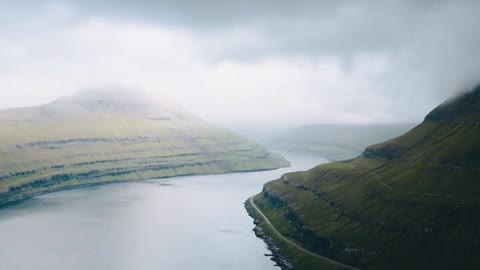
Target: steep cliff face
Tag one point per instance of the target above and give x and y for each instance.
(412, 202)
(100, 136)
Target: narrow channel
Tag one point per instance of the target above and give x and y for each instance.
(194, 222)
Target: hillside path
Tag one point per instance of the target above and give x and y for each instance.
(295, 244)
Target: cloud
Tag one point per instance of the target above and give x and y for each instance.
(248, 62)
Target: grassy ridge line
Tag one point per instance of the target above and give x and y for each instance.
(19, 187)
(298, 246)
(409, 192)
(99, 137)
(408, 203)
(138, 176)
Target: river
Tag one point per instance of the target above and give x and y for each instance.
(182, 223)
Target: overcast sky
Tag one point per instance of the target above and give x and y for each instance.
(260, 63)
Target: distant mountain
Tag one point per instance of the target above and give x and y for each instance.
(336, 142)
(109, 136)
(412, 202)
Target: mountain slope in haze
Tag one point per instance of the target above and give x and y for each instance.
(104, 136)
(412, 202)
(336, 142)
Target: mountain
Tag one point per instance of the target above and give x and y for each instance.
(109, 136)
(412, 202)
(335, 142)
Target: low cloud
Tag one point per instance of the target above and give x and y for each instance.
(248, 63)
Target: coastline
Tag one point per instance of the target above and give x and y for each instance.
(25, 196)
(281, 260)
(281, 246)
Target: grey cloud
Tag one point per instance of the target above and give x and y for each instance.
(430, 46)
(211, 14)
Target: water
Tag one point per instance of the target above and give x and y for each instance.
(195, 222)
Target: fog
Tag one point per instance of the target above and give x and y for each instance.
(247, 64)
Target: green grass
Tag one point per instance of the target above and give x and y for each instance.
(293, 254)
(61, 145)
(409, 203)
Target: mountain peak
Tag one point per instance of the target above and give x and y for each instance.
(464, 108)
(107, 95)
(123, 101)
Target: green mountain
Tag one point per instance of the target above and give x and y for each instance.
(412, 202)
(108, 136)
(335, 142)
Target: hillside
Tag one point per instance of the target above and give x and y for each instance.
(412, 202)
(336, 142)
(105, 136)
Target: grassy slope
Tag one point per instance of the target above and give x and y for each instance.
(409, 203)
(336, 142)
(64, 144)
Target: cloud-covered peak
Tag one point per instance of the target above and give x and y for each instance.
(113, 94)
(248, 62)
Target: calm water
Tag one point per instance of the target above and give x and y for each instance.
(196, 222)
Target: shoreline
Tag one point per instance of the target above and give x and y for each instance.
(23, 197)
(280, 259)
(283, 260)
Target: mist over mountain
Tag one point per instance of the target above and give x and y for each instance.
(102, 136)
(261, 64)
(222, 97)
(414, 194)
(335, 142)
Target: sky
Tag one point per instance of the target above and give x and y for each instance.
(247, 63)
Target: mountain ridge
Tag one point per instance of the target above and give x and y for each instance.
(408, 203)
(67, 144)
